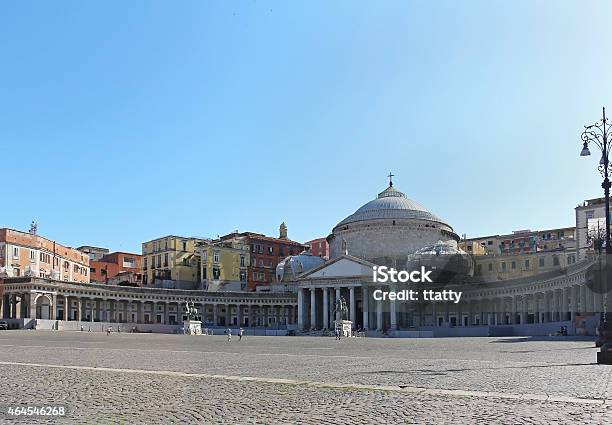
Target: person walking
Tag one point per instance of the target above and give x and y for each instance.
(229, 335)
(108, 330)
(81, 328)
(240, 333)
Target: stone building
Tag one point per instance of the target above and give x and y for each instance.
(533, 297)
(46, 304)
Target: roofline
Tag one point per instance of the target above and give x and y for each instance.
(335, 260)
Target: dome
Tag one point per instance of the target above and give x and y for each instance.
(291, 267)
(391, 204)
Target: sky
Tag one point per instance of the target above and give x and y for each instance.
(121, 122)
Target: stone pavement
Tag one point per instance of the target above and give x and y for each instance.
(155, 378)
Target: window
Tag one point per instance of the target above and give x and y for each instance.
(185, 261)
(242, 276)
(159, 263)
(184, 245)
(16, 272)
(166, 260)
(541, 262)
(490, 266)
(242, 261)
(513, 265)
(216, 256)
(92, 269)
(152, 262)
(15, 252)
(503, 266)
(261, 262)
(254, 276)
(145, 263)
(526, 264)
(555, 261)
(253, 262)
(489, 242)
(32, 254)
(216, 273)
(589, 215)
(270, 250)
(571, 259)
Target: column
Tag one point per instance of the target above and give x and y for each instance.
(514, 309)
(215, 315)
(313, 308)
(66, 307)
(379, 315)
(352, 305)
(564, 303)
(80, 308)
(301, 309)
(165, 313)
(265, 315)
(574, 309)
(140, 312)
(338, 294)
(112, 307)
(91, 310)
(588, 299)
(366, 314)
(393, 313)
(252, 314)
(325, 308)
(228, 315)
(583, 307)
(240, 315)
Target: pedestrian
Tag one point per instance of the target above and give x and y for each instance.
(108, 330)
(240, 333)
(81, 328)
(118, 329)
(229, 335)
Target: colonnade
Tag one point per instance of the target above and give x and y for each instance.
(316, 307)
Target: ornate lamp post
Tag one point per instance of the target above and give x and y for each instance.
(599, 134)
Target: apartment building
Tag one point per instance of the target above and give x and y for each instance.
(28, 254)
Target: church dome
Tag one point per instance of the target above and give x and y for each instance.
(291, 267)
(391, 204)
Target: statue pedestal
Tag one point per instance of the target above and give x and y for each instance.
(192, 327)
(344, 326)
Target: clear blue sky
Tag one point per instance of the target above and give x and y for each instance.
(125, 121)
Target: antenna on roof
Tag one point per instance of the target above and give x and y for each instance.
(33, 228)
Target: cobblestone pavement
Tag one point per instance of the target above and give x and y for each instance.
(154, 378)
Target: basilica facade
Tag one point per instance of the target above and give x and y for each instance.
(394, 231)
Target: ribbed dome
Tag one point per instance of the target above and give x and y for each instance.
(391, 204)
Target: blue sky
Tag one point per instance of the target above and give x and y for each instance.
(123, 121)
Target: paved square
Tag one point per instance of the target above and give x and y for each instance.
(156, 378)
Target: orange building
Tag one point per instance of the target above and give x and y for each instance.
(27, 254)
(117, 266)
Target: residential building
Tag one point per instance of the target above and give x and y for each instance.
(28, 254)
(524, 241)
(319, 248)
(172, 259)
(590, 225)
(224, 264)
(94, 252)
(127, 266)
(266, 253)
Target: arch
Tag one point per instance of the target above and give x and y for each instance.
(44, 304)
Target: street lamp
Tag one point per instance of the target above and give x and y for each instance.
(599, 134)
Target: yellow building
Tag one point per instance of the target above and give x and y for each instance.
(491, 268)
(194, 263)
(170, 258)
(224, 264)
